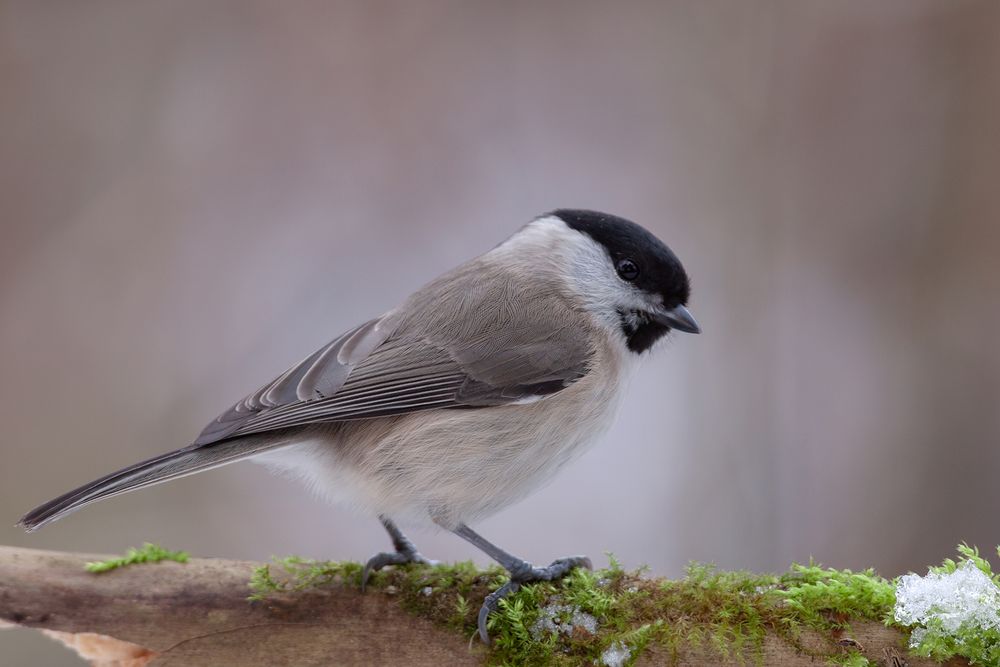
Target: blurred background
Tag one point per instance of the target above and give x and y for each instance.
(195, 195)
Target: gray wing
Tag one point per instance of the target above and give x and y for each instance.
(391, 366)
(475, 337)
(320, 374)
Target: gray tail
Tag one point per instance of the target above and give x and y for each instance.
(172, 465)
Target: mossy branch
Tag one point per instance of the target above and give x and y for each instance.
(295, 611)
(147, 553)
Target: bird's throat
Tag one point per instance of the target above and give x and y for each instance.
(640, 331)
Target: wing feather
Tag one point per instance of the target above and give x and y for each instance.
(395, 365)
(318, 375)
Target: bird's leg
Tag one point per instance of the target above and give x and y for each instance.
(406, 552)
(521, 572)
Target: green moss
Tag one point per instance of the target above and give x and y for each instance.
(853, 659)
(297, 574)
(728, 612)
(147, 553)
(828, 598)
(967, 553)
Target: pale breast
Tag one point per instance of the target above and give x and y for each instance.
(459, 465)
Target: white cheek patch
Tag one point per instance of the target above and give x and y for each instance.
(586, 268)
(650, 302)
(594, 278)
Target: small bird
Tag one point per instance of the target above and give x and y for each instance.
(462, 400)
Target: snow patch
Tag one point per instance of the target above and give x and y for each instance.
(616, 655)
(550, 620)
(964, 599)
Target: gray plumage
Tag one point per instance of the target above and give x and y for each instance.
(484, 334)
(470, 339)
(468, 396)
(163, 468)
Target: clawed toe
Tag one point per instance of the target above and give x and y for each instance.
(490, 605)
(522, 572)
(560, 568)
(380, 560)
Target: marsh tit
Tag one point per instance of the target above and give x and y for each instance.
(462, 400)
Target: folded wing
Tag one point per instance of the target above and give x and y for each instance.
(474, 351)
(376, 370)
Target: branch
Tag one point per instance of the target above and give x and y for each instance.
(197, 613)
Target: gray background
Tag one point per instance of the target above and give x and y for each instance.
(194, 195)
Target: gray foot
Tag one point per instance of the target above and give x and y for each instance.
(522, 572)
(406, 552)
(380, 560)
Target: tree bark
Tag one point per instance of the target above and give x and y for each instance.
(197, 613)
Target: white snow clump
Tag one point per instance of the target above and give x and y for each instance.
(966, 598)
(550, 621)
(616, 655)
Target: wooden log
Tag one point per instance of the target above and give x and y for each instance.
(197, 613)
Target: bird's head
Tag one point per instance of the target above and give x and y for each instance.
(626, 277)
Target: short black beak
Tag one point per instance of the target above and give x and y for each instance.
(679, 318)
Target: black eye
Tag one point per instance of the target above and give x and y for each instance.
(627, 269)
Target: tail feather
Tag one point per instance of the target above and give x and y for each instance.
(179, 463)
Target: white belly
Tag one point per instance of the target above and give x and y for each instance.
(452, 466)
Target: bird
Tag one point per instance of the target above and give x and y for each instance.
(459, 402)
